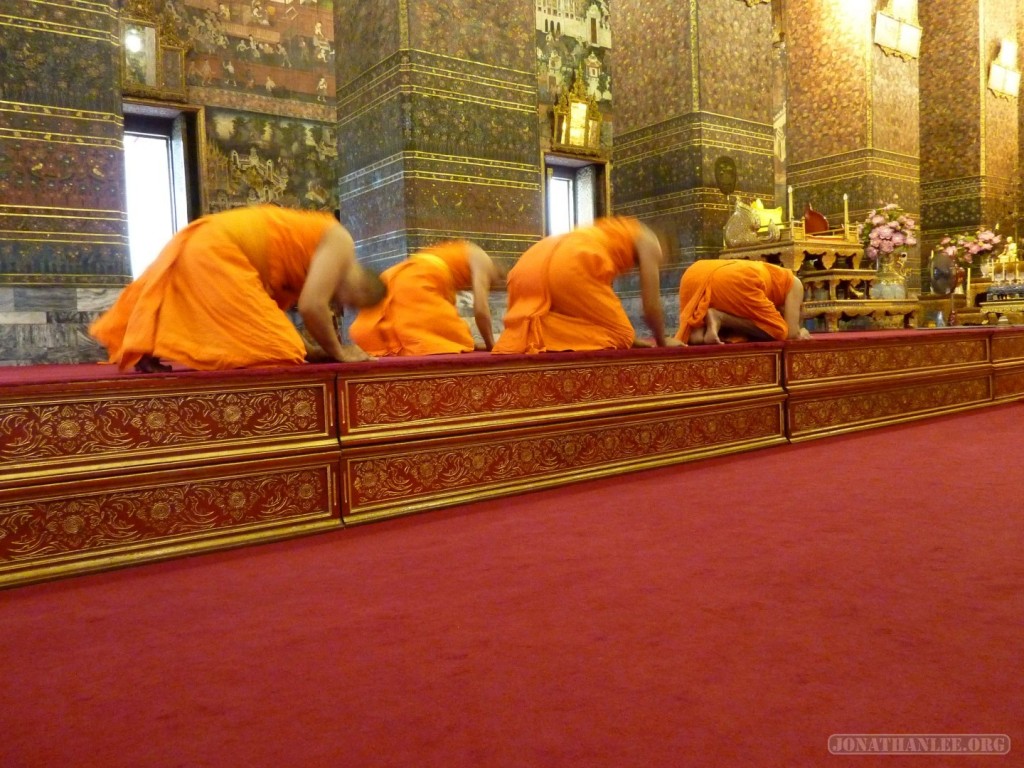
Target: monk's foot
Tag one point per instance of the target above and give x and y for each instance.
(697, 335)
(712, 324)
(151, 364)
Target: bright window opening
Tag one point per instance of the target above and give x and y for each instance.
(152, 216)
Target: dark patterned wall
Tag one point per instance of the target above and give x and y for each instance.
(63, 233)
(439, 136)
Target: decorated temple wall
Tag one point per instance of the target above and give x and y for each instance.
(969, 135)
(573, 38)
(829, 84)
(439, 128)
(265, 73)
(672, 126)
(63, 232)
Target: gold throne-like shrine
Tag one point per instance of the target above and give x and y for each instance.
(837, 286)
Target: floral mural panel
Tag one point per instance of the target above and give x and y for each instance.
(270, 49)
(254, 158)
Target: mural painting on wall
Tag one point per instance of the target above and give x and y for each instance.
(252, 158)
(276, 48)
(572, 34)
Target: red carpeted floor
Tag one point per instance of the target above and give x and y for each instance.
(731, 612)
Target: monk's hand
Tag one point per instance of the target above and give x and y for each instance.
(672, 341)
(350, 353)
(803, 334)
(642, 344)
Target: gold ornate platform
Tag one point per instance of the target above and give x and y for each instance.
(99, 470)
(816, 253)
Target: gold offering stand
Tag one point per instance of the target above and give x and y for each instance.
(828, 262)
(1003, 292)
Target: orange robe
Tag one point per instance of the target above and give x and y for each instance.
(560, 293)
(751, 289)
(214, 297)
(418, 316)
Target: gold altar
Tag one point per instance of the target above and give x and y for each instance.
(835, 287)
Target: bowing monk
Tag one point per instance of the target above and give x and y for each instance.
(216, 295)
(756, 300)
(560, 294)
(418, 316)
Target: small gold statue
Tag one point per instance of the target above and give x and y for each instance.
(1009, 254)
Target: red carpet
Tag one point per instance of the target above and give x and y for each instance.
(732, 612)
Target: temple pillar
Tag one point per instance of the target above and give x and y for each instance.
(852, 113)
(693, 84)
(969, 133)
(437, 125)
(63, 226)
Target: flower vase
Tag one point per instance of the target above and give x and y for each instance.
(891, 281)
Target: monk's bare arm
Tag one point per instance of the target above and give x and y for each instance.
(791, 311)
(649, 258)
(332, 264)
(483, 273)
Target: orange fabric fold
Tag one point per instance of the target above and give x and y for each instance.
(751, 289)
(418, 316)
(213, 299)
(560, 295)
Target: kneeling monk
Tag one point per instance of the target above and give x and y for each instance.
(759, 301)
(560, 294)
(418, 317)
(216, 295)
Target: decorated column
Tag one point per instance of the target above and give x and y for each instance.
(437, 125)
(969, 118)
(63, 229)
(852, 112)
(693, 90)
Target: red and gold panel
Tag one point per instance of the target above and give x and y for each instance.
(1007, 346)
(411, 477)
(828, 362)
(831, 413)
(486, 395)
(1008, 384)
(92, 524)
(86, 427)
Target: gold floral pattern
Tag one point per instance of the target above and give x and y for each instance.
(453, 395)
(1007, 347)
(832, 412)
(1008, 385)
(814, 365)
(402, 477)
(97, 521)
(45, 431)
